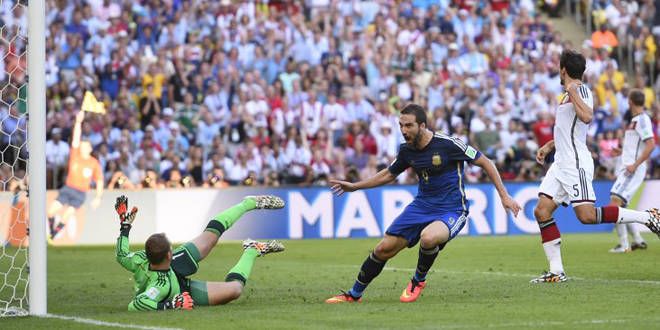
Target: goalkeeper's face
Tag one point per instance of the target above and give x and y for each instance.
(159, 250)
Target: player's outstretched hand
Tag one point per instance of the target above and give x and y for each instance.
(183, 301)
(511, 205)
(339, 187)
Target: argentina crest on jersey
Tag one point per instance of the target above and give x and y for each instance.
(436, 160)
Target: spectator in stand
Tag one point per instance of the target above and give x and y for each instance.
(270, 68)
(57, 155)
(543, 128)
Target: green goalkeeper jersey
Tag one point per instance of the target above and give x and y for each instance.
(153, 288)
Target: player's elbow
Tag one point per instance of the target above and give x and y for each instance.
(650, 145)
(586, 116)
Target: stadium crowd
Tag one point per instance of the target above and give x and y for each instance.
(272, 92)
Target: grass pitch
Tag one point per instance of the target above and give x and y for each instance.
(476, 282)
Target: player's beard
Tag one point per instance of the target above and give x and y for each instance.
(414, 141)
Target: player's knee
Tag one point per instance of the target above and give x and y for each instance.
(384, 251)
(541, 214)
(235, 291)
(429, 241)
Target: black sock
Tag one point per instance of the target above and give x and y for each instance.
(215, 227)
(371, 267)
(51, 224)
(57, 229)
(425, 261)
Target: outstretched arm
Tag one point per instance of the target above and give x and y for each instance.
(125, 258)
(490, 169)
(77, 129)
(383, 177)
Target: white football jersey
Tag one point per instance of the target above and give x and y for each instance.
(570, 134)
(639, 130)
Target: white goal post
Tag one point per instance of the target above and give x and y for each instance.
(36, 101)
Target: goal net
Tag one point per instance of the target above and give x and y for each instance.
(14, 198)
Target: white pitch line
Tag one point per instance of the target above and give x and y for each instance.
(445, 271)
(540, 324)
(104, 323)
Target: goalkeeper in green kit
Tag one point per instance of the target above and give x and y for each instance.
(161, 274)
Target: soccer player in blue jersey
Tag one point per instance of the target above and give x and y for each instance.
(438, 212)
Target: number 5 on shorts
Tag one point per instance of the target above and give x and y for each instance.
(577, 192)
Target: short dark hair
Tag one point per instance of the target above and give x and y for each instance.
(573, 62)
(637, 97)
(417, 110)
(157, 247)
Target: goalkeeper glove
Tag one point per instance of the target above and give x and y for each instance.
(126, 218)
(180, 301)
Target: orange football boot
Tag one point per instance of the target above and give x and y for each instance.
(344, 297)
(412, 291)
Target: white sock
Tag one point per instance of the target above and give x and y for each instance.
(631, 216)
(553, 253)
(633, 229)
(622, 232)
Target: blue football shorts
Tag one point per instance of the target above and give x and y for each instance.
(416, 216)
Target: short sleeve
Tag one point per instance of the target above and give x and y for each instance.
(399, 164)
(586, 95)
(460, 151)
(644, 128)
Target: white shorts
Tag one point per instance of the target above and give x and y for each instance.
(568, 185)
(625, 186)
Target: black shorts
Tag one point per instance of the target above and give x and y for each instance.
(71, 196)
(184, 265)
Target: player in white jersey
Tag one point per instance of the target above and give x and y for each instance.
(638, 144)
(569, 178)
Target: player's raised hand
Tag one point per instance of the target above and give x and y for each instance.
(339, 187)
(121, 206)
(510, 204)
(573, 85)
(130, 217)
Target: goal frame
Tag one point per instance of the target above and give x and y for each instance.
(36, 102)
